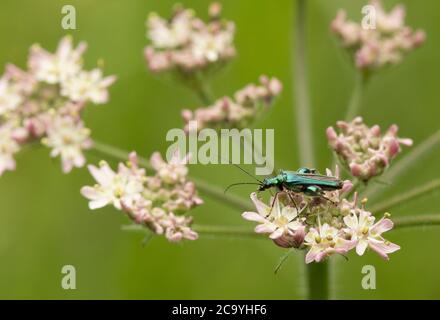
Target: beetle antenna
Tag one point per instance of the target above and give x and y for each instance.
(238, 184)
(250, 175)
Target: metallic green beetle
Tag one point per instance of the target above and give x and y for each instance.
(305, 180)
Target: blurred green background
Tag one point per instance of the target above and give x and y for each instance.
(45, 222)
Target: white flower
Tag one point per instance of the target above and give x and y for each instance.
(282, 220)
(56, 68)
(164, 35)
(8, 147)
(88, 86)
(10, 98)
(210, 46)
(366, 233)
(68, 138)
(116, 188)
(325, 241)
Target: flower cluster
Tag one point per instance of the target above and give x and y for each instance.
(363, 150)
(157, 202)
(383, 42)
(45, 103)
(187, 43)
(247, 105)
(324, 225)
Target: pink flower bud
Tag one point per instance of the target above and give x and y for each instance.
(356, 170)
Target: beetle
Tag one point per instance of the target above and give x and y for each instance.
(305, 180)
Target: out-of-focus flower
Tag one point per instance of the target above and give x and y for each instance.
(88, 86)
(379, 45)
(55, 68)
(159, 202)
(68, 138)
(8, 147)
(46, 101)
(241, 111)
(10, 97)
(363, 150)
(325, 225)
(186, 43)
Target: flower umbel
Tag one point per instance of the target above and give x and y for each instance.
(45, 103)
(185, 43)
(377, 46)
(248, 105)
(364, 150)
(159, 202)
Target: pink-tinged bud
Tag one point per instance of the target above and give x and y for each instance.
(419, 38)
(393, 148)
(226, 103)
(406, 141)
(187, 115)
(355, 169)
(215, 9)
(342, 125)
(347, 186)
(375, 130)
(372, 170)
(291, 240)
(331, 134)
(393, 129)
(339, 146)
(20, 135)
(275, 86)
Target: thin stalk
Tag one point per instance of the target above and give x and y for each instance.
(428, 220)
(318, 280)
(301, 89)
(403, 198)
(411, 159)
(355, 103)
(203, 89)
(209, 230)
(234, 231)
(214, 192)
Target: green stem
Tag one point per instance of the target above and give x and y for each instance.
(234, 231)
(411, 159)
(417, 221)
(214, 192)
(403, 198)
(355, 103)
(318, 280)
(209, 230)
(301, 90)
(203, 89)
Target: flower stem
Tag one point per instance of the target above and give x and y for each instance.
(403, 198)
(214, 192)
(355, 103)
(301, 90)
(318, 280)
(416, 221)
(411, 159)
(208, 230)
(203, 89)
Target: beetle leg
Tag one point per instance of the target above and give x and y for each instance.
(273, 202)
(316, 191)
(293, 200)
